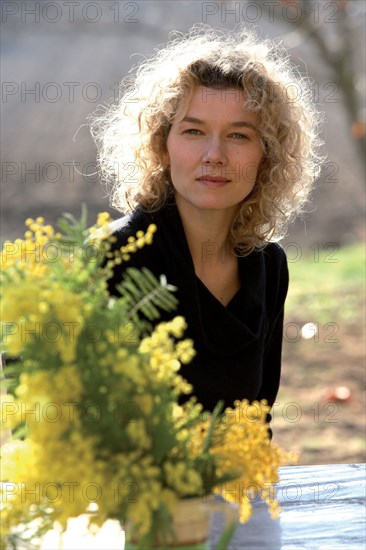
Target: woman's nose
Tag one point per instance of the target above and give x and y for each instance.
(214, 151)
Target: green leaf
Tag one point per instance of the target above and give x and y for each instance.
(214, 418)
(226, 536)
(142, 291)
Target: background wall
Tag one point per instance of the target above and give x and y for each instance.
(60, 60)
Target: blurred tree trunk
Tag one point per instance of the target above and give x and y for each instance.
(337, 51)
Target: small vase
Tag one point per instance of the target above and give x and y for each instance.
(191, 524)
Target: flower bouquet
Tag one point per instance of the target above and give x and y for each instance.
(93, 397)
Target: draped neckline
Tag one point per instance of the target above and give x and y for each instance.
(241, 320)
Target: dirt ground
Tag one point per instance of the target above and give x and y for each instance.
(308, 415)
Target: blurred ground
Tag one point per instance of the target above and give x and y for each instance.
(309, 416)
(307, 420)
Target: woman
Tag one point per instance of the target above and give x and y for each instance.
(214, 140)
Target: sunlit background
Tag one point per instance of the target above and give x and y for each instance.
(60, 60)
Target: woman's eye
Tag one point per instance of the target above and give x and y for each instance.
(237, 135)
(192, 132)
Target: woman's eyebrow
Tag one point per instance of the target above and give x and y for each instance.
(235, 124)
(244, 124)
(192, 119)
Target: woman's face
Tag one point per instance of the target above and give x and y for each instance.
(214, 150)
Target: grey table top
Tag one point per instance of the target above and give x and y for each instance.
(323, 508)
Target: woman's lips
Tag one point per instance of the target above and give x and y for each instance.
(213, 181)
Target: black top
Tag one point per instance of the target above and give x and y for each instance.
(239, 345)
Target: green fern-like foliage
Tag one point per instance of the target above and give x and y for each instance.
(74, 230)
(143, 292)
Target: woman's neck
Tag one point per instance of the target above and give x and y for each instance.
(207, 234)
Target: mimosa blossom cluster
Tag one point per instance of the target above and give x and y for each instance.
(69, 448)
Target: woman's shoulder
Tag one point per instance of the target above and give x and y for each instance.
(271, 262)
(274, 253)
(277, 274)
(269, 255)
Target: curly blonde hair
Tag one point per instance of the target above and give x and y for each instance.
(131, 134)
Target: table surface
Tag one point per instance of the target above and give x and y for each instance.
(323, 508)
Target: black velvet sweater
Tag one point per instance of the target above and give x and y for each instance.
(239, 345)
